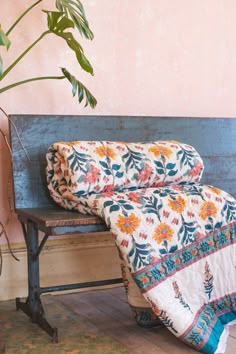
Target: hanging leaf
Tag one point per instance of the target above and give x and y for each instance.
(1, 66)
(83, 92)
(57, 24)
(4, 40)
(74, 9)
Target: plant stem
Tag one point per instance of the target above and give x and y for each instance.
(30, 80)
(23, 54)
(21, 16)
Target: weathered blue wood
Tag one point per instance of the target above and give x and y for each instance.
(214, 138)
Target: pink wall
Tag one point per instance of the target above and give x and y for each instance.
(152, 57)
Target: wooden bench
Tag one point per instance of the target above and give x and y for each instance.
(214, 139)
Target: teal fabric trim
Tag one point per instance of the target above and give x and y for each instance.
(154, 274)
(213, 341)
(209, 324)
(217, 331)
(228, 317)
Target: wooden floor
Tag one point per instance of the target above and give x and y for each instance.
(107, 311)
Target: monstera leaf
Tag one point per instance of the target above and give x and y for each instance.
(83, 92)
(71, 15)
(57, 24)
(4, 41)
(74, 9)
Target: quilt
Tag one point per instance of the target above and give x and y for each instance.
(176, 236)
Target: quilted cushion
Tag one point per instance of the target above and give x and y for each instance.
(84, 167)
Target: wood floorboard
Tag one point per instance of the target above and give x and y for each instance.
(232, 331)
(107, 311)
(123, 330)
(118, 292)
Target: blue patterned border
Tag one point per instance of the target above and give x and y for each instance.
(155, 273)
(205, 332)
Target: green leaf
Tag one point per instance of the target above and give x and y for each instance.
(74, 9)
(107, 172)
(1, 66)
(173, 249)
(170, 166)
(158, 164)
(107, 203)
(172, 173)
(57, 24)
(83, 92)
(114, 208)
(4, 40)
(128, 207)
(115, 167)
(119, 174)
(103, 164)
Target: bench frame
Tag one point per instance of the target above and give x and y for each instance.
(214, 139)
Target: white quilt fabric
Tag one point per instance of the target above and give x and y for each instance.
(176, 236)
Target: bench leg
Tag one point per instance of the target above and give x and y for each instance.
(2, 344)
(33, 306)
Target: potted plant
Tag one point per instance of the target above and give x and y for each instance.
(67, 18)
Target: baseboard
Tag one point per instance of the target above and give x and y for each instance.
(62, 261)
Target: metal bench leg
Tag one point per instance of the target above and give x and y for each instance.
(33, 306)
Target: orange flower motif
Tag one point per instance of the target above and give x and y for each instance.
(207, 209)
(158, 150)
(69, 143)
(163, 232)
(105, 151)
(177, 205)
(128, 224)
(215, 190)
(194, 252)
(144, 280)
(176, 261)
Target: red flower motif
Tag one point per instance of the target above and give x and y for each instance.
(144, 280)
(158, 184)
(143, 235)
(92, 174)
(166, 214)
(145, 173)
(175, 221)
(107, 194)
(124, 243)
(149, 220)
(196, 170)
(194, 201)
(134, 197)
(109, 188)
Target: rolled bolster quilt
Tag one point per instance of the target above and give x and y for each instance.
(175, 236)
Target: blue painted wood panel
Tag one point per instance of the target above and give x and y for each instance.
(214, 139)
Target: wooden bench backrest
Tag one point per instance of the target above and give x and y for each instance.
(213, 138)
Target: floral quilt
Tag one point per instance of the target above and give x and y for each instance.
(176, 236)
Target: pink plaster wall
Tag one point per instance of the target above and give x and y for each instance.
(152, 57)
